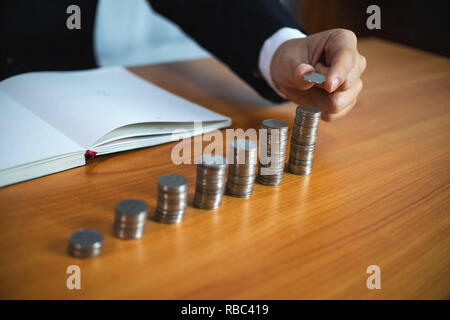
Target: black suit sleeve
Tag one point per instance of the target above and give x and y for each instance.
(233, 30)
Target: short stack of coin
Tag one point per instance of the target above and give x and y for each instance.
(130, 219)
(242, 170)
(272, 156)
(85, 243)
(172, 198)
(303, 142)
(210, 184)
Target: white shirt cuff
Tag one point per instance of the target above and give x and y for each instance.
(268, 50)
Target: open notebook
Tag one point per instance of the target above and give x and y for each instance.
(48, 120)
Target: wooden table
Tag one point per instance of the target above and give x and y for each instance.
(379, 195)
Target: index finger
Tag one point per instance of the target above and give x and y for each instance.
(340, 52)
(341, 65)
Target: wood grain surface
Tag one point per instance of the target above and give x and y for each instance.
(379, 195)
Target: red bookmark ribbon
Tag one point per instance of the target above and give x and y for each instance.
(90, 154)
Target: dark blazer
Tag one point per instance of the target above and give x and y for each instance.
(34, 35)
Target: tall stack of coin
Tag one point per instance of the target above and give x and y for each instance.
(85, 243)
(272, 158)
(210, 184)
(172, 198)
(241, 173)
(130, 219)
(303, 142)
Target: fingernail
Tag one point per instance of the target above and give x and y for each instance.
(334, 84)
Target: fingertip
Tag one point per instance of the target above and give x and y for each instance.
(335, 83)
(332, 83)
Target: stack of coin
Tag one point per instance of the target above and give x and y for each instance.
(131, 216)
(303, 140)
(172, 198)
(272, 157)
(241, 174)
(210, 185)
(85, 243)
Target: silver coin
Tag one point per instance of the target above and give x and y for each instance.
(207, 206)
(306, 140)
(241, 185)
(206, 172)
(170, 221)
(243, 154)
(270, 172)
(272, 158)
(276, 180)
(239, 194)
(241, 179)
(173, 206)
(242, 172)
(169, 213)
(128, 233)
(162, 199)
(205, 201)
(272, 153)
(163, 218)
(301, 147)
(130, 219)
(306, 123)
(131, 209)
(211, 192)
(172, 198)
(275, 124)
(302, 157)
(314, 77)
(299, 130)
(129, 226)
(210, 182)
(303, 140)
(85, 243)
(213, 160)
(172, 182)
(303, 163)
(309, 111)
(244, 144)
(299, 170)
(204, 188)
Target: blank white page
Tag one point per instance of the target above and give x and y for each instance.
(85, 105)
(25, 138)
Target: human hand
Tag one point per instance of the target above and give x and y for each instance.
(333, 53)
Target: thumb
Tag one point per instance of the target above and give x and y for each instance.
(299, 83)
